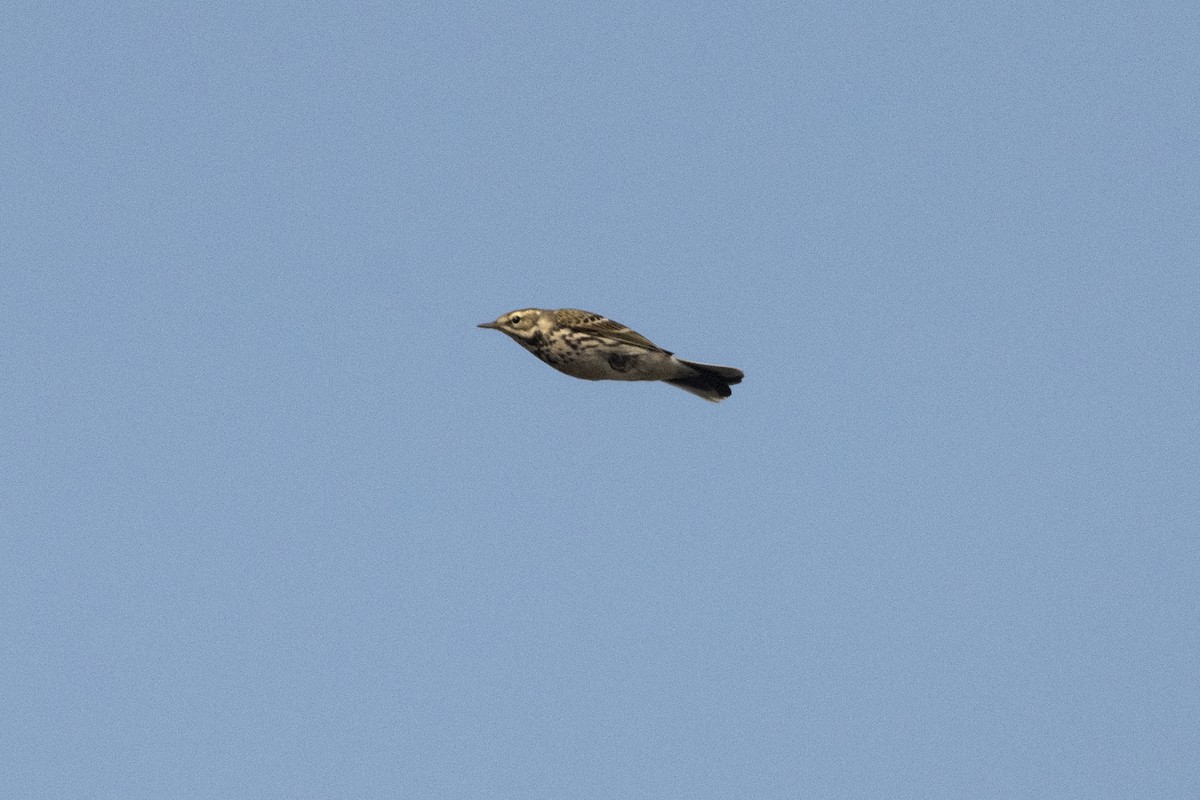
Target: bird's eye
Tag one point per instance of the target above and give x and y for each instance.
(515, 319)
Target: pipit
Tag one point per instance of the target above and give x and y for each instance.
(592, 347)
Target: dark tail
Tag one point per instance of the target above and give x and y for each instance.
(709, 381)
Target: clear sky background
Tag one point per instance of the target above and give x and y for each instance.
(278, 521)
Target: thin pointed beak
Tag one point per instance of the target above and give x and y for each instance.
(492, 325)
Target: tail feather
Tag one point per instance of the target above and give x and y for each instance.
(709, 381)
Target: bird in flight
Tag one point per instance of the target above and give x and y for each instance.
(592, 347)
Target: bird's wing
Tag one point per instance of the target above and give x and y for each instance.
(602, 326)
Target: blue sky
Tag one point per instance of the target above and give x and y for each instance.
(279, 521)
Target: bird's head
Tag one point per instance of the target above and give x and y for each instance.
(517, 324)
